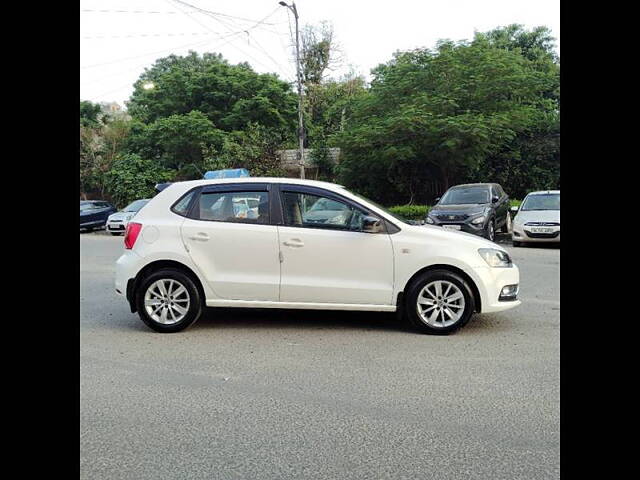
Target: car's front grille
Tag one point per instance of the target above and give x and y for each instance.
(542, 235)
(543, 224)
(452, 218)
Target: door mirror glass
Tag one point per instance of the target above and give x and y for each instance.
(372, 224)
(495, 199)
(514, 209)
(437, 199)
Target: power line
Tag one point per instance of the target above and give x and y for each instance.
(138, 35)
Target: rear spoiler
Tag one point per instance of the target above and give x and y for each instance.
(161, 186)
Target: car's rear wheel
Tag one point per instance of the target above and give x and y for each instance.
(168, 301)
(439, 302)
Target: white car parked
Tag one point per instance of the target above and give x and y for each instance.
(117, 222)
(538, 218)
(191, 247)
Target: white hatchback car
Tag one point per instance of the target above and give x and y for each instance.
(190, 248)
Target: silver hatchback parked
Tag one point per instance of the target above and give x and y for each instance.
(537, 219)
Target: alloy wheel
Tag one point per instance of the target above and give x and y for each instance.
(440, 303)
(166, 301)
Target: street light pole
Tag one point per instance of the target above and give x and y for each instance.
(293, 8)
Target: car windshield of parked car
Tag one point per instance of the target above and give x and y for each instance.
(135, 206)
(549, 201)
(465, 196)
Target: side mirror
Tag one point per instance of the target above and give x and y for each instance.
(514, 209)
(495, 199)
(437, 199)
(372, 225)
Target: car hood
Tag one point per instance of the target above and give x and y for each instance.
(471, 241)
(538, 216)
(457, 209)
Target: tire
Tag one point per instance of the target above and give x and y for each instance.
(437, 326)
(490, 231)
(150, 289)
(506, 228)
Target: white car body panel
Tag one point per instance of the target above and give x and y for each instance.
(338, 270)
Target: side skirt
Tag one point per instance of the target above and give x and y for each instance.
(301, 305)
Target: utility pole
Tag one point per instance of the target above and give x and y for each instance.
(293, 8)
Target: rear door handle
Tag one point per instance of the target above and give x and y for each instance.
(200, 236)
(294, 242)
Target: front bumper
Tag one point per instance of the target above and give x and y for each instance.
(522, 233)
(116, 226)
(464, 227)
(491, 282)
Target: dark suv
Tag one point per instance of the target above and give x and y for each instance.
(478, 208)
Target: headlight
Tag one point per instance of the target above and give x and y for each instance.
(430, 220)
(495, 258)
(479, 220)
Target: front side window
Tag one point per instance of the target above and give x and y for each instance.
(238, 207)
(306, 210)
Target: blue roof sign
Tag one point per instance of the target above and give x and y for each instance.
(228, 173)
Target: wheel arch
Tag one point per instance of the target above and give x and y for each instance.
(441, 266)
(154, 266)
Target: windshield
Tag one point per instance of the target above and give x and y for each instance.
(135, 206)
(465, 196)
(547, 201)
(391, 214)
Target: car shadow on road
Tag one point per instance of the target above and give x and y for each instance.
(229, 318)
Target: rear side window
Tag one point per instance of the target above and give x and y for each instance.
(237, 207)
(182, 206)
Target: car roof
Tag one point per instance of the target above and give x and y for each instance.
(544, 192)
(294, 181)
(474, 185)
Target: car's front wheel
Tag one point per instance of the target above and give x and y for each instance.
(439, 302)
(506, 228)
(168, 301)
(490, 231)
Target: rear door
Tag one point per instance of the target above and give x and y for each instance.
(234, 247)
(326, 258)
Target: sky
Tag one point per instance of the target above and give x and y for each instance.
(120, 38)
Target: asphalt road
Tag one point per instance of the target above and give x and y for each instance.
(296, 394)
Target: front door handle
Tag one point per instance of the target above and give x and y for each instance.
(294, 242)
(200, 236)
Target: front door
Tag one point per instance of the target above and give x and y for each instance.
(232, 243)
(326, 258)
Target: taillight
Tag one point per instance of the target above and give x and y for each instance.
(131, 234)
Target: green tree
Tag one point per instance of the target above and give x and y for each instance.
(230, 96)
(132, 177)
(89, 113)
(255, 149)
(178, 142)
(440, 113)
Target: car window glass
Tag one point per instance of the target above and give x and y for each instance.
(242, 207)
(465, 196)
(541, 202)
(182, 207)
(306, 210)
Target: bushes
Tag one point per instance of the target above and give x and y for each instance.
(411, 212)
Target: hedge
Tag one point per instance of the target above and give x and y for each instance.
(419, 212)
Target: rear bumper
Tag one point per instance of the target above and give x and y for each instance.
(93, 223)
